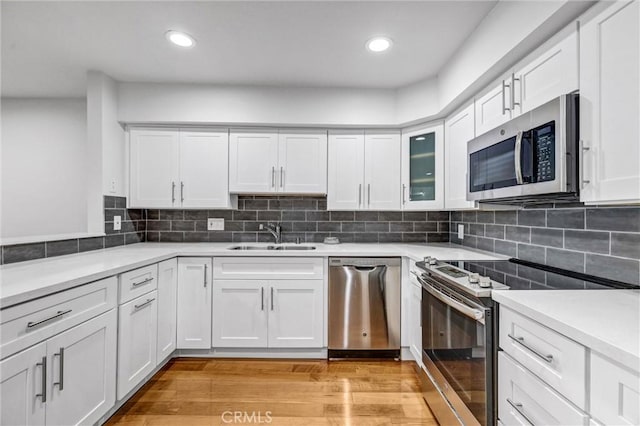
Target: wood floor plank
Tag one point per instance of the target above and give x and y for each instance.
(192, 391)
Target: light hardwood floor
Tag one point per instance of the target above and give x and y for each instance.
(279, 392)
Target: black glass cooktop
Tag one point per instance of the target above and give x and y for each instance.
(522, 275)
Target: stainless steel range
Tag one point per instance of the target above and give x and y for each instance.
(459, 323)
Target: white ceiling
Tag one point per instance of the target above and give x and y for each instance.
(47, 47)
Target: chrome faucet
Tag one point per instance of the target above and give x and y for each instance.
(276, 231)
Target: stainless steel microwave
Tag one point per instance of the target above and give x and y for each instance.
(530, 159)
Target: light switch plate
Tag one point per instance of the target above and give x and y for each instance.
(461, 231)
(215, 224)
(117, 223)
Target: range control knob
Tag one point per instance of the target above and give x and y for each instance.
(433, 261)
(474, 278)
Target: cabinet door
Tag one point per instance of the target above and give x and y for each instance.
(204, 169)
(167, 295)
(415, 318)
(459, 130)
(240, 314)
(551, 73)
(22, 383)
(253, 159)
(82, 385)
(382, 171)
(346, 171)
(610, 105)
(153, 173)
(193, 327)
(423, 169)
(615, 392)
(302, 159)
(296, 314)
(137, 340)
(493, 108)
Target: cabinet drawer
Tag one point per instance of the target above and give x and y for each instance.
(32, 322)
(138, 282)
(615, 392)
(525, 399)
(267, 268)
(554, 358)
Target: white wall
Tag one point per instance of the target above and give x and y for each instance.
(44, 154)
(189, 103)
(113, 141)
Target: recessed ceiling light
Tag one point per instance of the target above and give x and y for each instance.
(378, 44)
(180, 39)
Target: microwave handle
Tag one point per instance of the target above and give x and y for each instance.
(518, 159)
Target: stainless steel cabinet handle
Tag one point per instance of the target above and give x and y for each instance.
(43, 391)
(518, 407)
(369, 194)
(262, 298)
(31, 324)
(359, 195)
(60, 382)
(182, 192)
(281, 177)
(520, 341)
(146, 280)
(142, 305)
(205, 274)
(173, 192)
(583, 150)
(513, 91)
(504, 97)
(273, 176)
(272, 298)
(518, 158)
(404, 190)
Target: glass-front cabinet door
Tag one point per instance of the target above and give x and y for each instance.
(423, 168)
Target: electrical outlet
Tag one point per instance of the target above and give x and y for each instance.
(214, 224)
(461, 231)
(117, 223)
(112, 186)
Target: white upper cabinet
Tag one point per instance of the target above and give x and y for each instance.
(549, 71)
(268, 162)
(382, 171)
(609, 103)
(364, 171)
(154, 170)
(253, 158)
(459, 130)
(171, 168)
(346, 170)
(423, 169)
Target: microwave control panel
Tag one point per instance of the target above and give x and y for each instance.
(544, 146)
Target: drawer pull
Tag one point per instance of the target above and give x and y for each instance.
(518, 407)
(146, 280)
(43, 393)
(142, 305)
(60, 382)
(57, 315)
(520, 341)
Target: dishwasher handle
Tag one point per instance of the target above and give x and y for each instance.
(364, 268)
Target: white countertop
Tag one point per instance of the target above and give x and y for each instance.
(24, 281)
(607, 321)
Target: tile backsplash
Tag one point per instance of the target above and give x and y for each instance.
(304, 218)
(601, 241)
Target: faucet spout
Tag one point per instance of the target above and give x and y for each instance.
(275, 230)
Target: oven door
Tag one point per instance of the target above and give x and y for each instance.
(458, 357)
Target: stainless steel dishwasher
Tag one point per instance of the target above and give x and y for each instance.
(364, 307)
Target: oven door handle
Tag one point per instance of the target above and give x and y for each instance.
(518, 159)
(472, 313)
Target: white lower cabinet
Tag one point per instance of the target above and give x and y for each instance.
(239, 314)
(295, 314)
(415, 320)
(167, 296)
(137, 339)
(615, 392)
(193, 322)
(69, 379)
(525, 399)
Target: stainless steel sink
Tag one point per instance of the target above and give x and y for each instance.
(291, 247)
